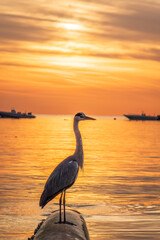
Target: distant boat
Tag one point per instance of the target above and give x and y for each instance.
(142, 117)
(14, 114)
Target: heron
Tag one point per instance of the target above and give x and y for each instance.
(65, 174)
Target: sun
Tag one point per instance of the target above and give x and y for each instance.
(71, 26)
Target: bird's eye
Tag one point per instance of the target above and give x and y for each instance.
(79, 115)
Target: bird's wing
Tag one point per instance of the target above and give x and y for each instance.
(63, 176)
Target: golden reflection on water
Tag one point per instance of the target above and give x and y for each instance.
(120, 179)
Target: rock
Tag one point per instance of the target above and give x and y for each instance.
(74, 229)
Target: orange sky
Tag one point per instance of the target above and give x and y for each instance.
(59, 57)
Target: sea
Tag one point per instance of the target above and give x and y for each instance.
(117, 192)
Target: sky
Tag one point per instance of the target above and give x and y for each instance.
(60, 57)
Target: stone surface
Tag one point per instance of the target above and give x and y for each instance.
(76, 229)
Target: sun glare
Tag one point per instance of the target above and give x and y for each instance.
(70, 26)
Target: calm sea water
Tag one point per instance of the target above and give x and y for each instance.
(118, 192)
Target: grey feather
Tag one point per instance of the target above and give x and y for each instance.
(63, 176)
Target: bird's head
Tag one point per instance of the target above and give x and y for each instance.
(81, 116)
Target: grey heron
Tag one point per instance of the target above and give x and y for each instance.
(65, 174)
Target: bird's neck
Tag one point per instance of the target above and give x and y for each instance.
(79, 147)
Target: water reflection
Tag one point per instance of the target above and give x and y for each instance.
(118, 191)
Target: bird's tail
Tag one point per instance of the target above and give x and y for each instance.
(46, 197)
(43, 201)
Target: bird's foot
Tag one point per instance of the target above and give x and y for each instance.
(69, 223)
(58, 222)
(65, 222)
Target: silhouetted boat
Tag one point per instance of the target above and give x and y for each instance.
(142, 117)
(14, 114)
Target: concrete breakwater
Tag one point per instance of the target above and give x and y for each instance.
(50, 229)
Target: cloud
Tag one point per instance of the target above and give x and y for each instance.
(12, 29)
(143, 22)
(25, 28)
(118, 21)
(133, 22)
(148, 54)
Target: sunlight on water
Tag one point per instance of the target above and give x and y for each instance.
(117, 192)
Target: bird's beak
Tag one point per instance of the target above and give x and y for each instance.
(89, 118)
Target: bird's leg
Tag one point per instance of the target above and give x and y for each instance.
(64, 201)
(60, 202)
(64, 206)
